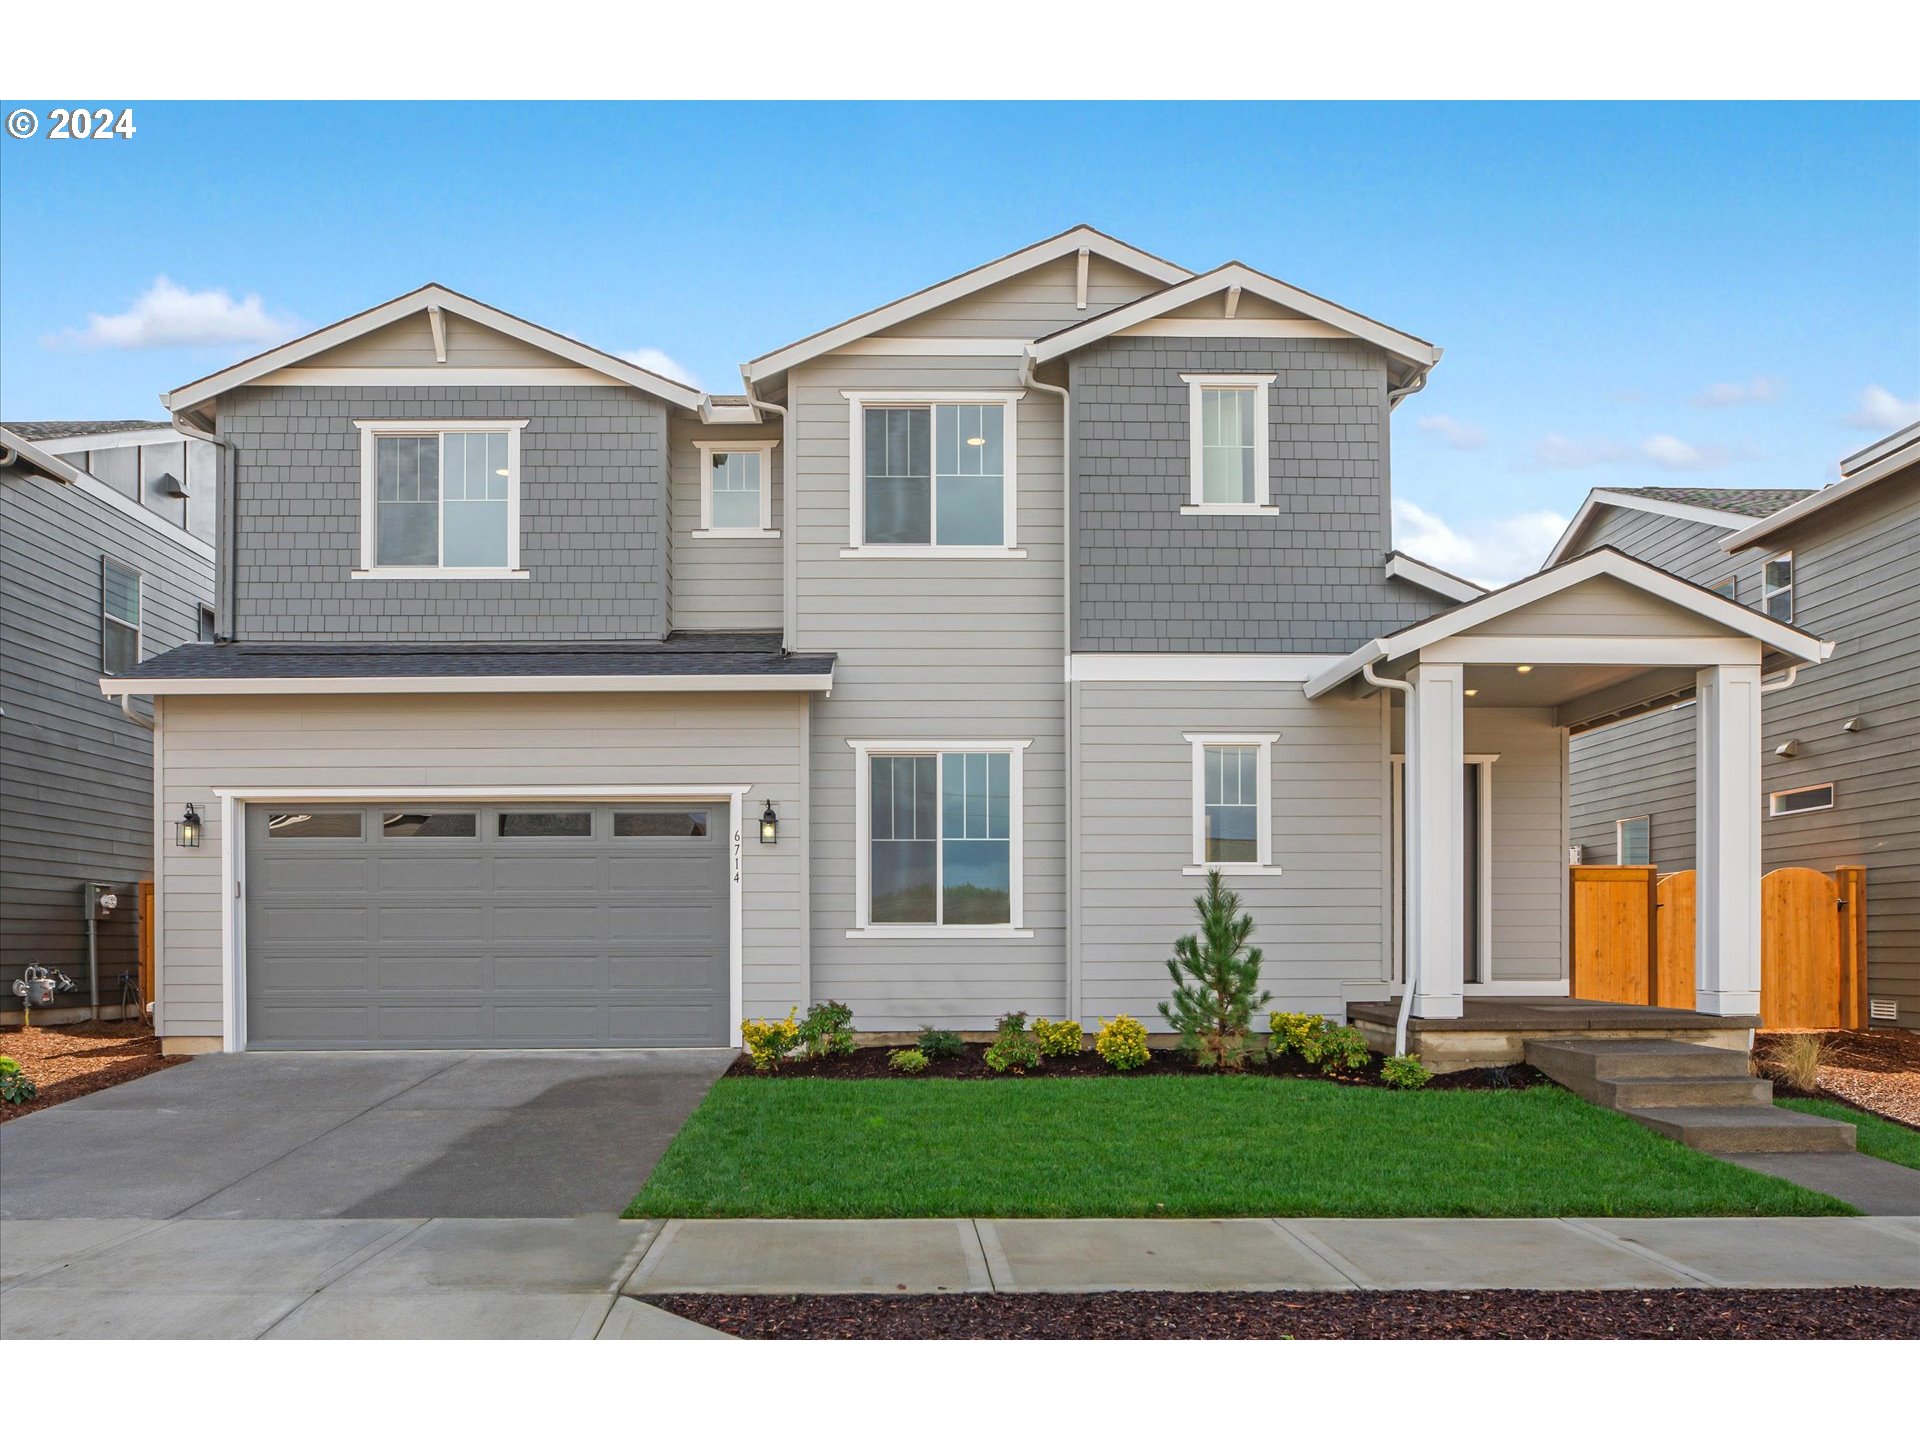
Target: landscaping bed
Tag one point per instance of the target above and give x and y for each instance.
(1873, 1070)
(1174, 1144)
(1849, 1314)
(68, 1061)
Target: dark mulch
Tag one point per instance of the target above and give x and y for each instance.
(869, 1062)
(68, 1061)
(1850, 1314)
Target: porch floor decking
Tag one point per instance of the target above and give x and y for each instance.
(1494, 1029)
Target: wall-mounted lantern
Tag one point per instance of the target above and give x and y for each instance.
(186, 831)
(769, 826)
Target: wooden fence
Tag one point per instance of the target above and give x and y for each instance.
(1631, 942)
(146, 942)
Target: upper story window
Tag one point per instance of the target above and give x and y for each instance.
(736, 491)
(933, 474)
(440, 499)
(1727, 585)
(1228, 444)
(1776, 586)
(119, 618)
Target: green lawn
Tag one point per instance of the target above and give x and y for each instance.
(1873, 1135)
(1181, 1145)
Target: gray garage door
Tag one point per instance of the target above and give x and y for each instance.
(393, 926)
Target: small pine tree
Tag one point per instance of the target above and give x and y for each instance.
(1216, 980)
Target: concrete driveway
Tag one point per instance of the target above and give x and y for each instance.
(462, 1134)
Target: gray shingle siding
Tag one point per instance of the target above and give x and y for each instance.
(593, 517)
(1309, 579)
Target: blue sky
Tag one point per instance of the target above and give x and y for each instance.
(1628, 295)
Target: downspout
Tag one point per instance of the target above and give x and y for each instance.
(1781, 682)
(226, 526)
(1070, 710)
(789, 539)
(126, 709)
(1383, 682)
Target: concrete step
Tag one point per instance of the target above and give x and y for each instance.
(1627, 1059)
(1666, 1092)
(1746, 1129)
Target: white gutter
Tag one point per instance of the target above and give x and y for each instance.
(1781, 682)
(126, 708)
(1415, 383)
(117, 685)
(1413, 970)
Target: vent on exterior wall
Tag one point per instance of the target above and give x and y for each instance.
(1883, 1009)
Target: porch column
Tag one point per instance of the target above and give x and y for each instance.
(1727, 846)
(1435, 868)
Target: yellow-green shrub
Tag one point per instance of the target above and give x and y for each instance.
(769, 1042)
(1058, 1037)
(1342, 1048)
(1122, 1043)
(1297, 1034)
(907, 1062)
(1404, 1072)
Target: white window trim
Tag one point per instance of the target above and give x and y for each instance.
(1264, 822)
(1262, 446)
(1774, 798)
(1732, 583)
(864, 928)
(1619, 844)
(858, 400)
(708, 530)
(139, 627)
(1767, 592)
(370, 432)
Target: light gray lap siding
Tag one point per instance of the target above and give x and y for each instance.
(1308, 579)
(593, 516)
(722, 582)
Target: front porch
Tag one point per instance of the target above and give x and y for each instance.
(1494, 1030)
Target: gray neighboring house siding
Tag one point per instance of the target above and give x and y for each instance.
(1857, 583)
(77, 775)
(593, 517)
(1307, 580)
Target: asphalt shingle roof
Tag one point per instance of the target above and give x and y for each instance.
(1755, 504)
(65, 429)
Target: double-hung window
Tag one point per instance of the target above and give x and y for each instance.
(119, 617)
(933, 473)
(1776, 587)
(736, 491)
(940, 837)
(1232, 803)
(440, 499)
(1228, 444)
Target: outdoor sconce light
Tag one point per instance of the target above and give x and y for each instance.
(186, 831)
(769, 826)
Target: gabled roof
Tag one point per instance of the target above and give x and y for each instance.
(1788, 640)
(21, 450)
(1067, 242)
(1431, 578)
(73, 429)
(1726, 509)
(429, 297)
(1233, 274)
(1895, 455)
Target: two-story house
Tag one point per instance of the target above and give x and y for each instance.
(559, 703)
(1839, 764)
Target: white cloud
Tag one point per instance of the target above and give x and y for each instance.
(1760, 390)
(1669, 452)
(1488, 552)
(1882, 410)
(1455, 434)
(660, 363)
(1559, 452)
(170, 314)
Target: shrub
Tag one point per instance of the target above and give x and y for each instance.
(1058, 1037)
(1342, 1049)
(1404, 1072)
(1797, 1059)
(1122, 1043)
(1014, 1047)
(827, 1030)
(907, 1062)
(1216, 980)
(1297, 1034)
(15, 1087)
(941, 1044)
(770, 1041)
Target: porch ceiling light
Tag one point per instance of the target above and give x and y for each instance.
(1523, 669)
(769, 826)
(186, 831)
(1472, 693)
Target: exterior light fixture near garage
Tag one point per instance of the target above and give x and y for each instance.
(186, 831)
(769, 826)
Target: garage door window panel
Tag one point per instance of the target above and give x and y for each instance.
(660, 824)
(430, 825)
(314, 825)
(546, 824)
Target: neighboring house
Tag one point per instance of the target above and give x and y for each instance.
(1841, 760)
(105, 559)
(559, 703)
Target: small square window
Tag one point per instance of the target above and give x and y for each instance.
(736, 489)
(1727, 585)
(1633, 840)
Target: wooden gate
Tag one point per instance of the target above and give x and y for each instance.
(146, 943)
(1632, 939)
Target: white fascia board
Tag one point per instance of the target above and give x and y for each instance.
(1794, 643)
(1211, 669)
(111, 440)
(187, 397)
(1698, 514)
(1881, 449)
(1903, 459)
(115, 685)
(1072, 242)
(1349, 322)
(1431, 578)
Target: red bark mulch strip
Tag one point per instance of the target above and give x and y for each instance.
(869, 1062)
(1873, 1070)
(1850, 1314)
(68, 1061)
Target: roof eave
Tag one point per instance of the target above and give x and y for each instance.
(1893, 463)
(114, 686)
